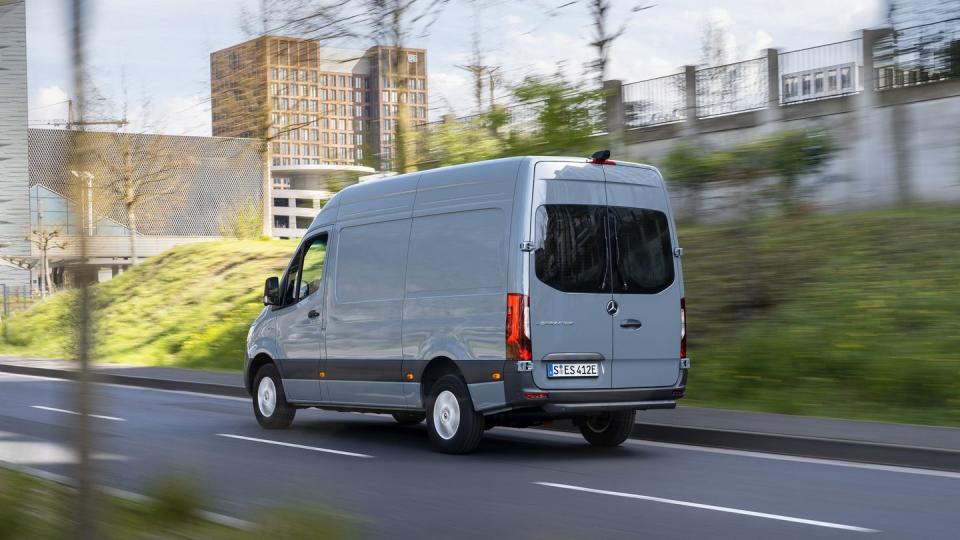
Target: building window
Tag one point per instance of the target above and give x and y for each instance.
(845, 82)
(281, 222)
(281, 202)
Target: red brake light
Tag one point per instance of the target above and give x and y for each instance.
(603, 162)
(683, 328)
(518, 327)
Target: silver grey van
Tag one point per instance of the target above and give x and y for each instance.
(507, 292)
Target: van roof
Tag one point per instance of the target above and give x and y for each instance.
(402, 182)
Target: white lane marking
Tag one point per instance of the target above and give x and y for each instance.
(292, 445)
(726, 509)
(64, 411)
(636, 442)
(758, 455)
(220, 519)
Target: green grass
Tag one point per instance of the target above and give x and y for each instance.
(188, 307)
(854, 315)
(43, 510)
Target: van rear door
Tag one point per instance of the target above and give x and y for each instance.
(646, 279)
(570, 278)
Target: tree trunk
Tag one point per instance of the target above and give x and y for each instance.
(45, 262)
(132, 235)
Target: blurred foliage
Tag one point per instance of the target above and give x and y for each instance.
(245, 221)
(189, 306)
(847, 315)
(39, 509)
(551, 116)
(853, 315)
(783, 157)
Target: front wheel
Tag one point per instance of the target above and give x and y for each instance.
(269, 402)
(608, 429)
(454, 426)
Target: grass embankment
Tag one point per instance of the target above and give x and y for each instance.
(854, 315)
(188, 307)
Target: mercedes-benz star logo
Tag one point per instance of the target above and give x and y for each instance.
(612, 307)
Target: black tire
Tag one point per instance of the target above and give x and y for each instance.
(282, 415)
(608, 429)
(409, 418)
(465, 436)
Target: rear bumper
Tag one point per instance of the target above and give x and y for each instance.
(521, 392)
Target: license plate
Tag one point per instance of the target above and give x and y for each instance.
(573, 370)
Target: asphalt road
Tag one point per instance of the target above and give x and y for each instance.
(520, 484)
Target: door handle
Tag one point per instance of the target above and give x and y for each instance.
(631, 323)
(313, 314)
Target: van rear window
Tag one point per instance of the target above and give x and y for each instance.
(572, 253)
(598, 249)
(641, 250)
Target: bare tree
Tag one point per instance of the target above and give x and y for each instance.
(603, 36)
(46, 238)
(387, 24)
(144, 169)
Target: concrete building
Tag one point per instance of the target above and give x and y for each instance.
(14, 183)
(330, 114)
(318, 106)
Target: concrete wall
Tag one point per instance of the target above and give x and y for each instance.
(14, 186)
(896, 145)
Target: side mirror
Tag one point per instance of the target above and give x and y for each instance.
(271, 292)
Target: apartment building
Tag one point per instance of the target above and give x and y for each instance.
(318, 105)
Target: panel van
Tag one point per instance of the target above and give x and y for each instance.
(508, 292)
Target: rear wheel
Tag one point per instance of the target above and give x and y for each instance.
(608, 429)
(269, 402)
(409, 419)
(454, 426)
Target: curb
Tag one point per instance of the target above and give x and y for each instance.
(129, 380)
(773, 443)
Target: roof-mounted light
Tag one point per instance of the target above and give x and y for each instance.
(601, 157)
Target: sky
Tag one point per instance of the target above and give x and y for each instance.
(154, 54)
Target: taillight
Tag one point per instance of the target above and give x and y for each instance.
(518, 327)
(683, 328)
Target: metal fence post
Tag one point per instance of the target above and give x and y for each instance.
(690, 86)
(772, 113)
(6, 301)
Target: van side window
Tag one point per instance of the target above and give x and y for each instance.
(311, 274)
(641, 250)
(572, 254)
(305, 274)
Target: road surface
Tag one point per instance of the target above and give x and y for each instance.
(520, 484)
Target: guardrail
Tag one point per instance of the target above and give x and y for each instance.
(822, 72)
(655, 101)
(918, 55)
(732, 88)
